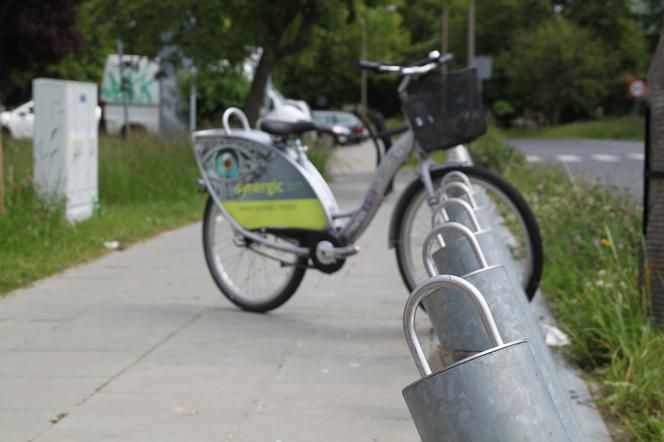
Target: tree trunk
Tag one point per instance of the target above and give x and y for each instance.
(254, 100)
(653, 272)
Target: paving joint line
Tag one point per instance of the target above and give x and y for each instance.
(105, 384)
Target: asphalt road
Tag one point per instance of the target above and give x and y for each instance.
(618, 163)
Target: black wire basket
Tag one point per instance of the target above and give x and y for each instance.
(444, 110)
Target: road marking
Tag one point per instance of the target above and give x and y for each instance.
(605, 158)
(533, 158)
(636, 156)
(568, 158)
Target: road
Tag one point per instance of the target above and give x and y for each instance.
(618, 163)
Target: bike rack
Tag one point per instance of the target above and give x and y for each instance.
(494, 395)
(453, 318)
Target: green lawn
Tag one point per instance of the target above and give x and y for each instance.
(613, 128)
(144, 188)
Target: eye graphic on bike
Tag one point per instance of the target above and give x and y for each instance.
(227, 163)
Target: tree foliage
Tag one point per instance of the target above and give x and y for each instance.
(558, 67)
(34, 34)
(327, 73)
(311, 46)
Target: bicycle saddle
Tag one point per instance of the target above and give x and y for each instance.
(279, 127)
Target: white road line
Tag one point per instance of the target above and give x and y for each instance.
(605, 158)
(533, 158)
(636, 156)
(568, 158)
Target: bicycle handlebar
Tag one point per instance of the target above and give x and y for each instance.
(418, 68)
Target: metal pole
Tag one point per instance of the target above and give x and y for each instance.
(123, 88)
(192, 101)
(363, 78)
(471, 33)
(444, 34)
(2, 179)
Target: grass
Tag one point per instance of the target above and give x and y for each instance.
(610, 128)
(144, 188)
(592, 242)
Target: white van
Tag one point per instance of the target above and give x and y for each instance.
(143, 94)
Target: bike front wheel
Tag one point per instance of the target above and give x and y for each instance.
(251, 275)
(412, 223)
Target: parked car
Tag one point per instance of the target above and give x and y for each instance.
(356, 132)
(20, 122)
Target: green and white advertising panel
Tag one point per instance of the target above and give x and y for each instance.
(260, 185)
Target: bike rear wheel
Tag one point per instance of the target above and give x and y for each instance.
(412, 224)
(252, 276)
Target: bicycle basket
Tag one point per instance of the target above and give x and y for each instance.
(444, 111)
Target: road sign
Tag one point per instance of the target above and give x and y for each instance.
(638, 89)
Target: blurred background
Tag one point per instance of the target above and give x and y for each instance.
(546, 62)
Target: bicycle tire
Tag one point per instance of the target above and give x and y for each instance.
(415, 194)
(213, 222)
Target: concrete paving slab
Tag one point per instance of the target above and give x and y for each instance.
(156, 413)
(45, 392)
(322, 428)
(19, 425)
(339, 399)
(64, 435)
(64, 363)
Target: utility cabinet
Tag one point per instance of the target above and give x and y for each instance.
(65, 144)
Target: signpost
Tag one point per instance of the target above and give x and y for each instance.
(638, 89)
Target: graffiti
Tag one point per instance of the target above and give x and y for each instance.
(136, 88)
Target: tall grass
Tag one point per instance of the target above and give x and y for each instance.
(592, 243)
(144, 187)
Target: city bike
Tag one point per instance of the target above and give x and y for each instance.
(271, 216)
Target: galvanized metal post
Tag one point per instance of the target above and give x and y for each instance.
(123, 88)
(192, 100)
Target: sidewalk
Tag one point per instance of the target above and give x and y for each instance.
(141, 346)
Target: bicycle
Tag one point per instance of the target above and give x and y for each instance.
(270, 215)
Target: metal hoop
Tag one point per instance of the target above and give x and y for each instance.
(427, 288)
(465, 232)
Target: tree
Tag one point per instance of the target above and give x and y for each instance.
(616, 24)
(34, 33)
(284, 31)
(325, 74)
(557, 68)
